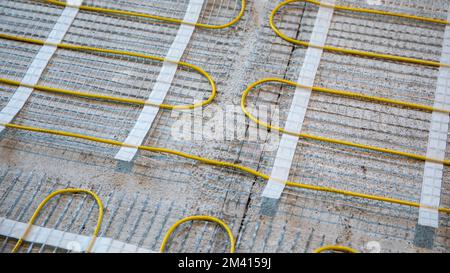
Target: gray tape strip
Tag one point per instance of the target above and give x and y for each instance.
(294, 123)
(40, 62)
(163, 83)
(437, 143)
(65, 240)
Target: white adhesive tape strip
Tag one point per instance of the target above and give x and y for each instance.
(437, 143)
(297, 112)
(39, 63)
(65, 240)
(163, 83)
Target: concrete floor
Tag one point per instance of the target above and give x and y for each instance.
(145, 198)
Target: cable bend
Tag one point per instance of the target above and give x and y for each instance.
(352, 51)
(199, 218)
(47, 199)
(343, 249)
(336, 141)
(156, 17)
(108, 97)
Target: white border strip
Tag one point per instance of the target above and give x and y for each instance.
(40, 62)
(163, 83)
(297, 112)
(437, 143)
(65, 240)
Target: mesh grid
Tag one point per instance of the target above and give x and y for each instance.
(28, 18)
(332, 220)
(143, 203)
(16, 58)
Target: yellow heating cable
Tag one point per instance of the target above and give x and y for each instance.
(352, 51)
(47, 199)
(193, 157)
(220, 164)
(199, 218)
(156, 17)
(341, 142)
(248, 114)
(243, 106)
(115, 52)
(344, 249)
(227, 164)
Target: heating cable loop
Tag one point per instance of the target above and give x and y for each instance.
(343, 249)
(227, 164)
(243, 102)
(48, 198)
(107, 97)
(353, 51)
(345, 94)
(123, 100)
(202, 159)
(199, 218)
(213, 93)
(168, 233)
(155, 17)
(220, 164)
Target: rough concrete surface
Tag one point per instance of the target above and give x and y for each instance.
(143, 199)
